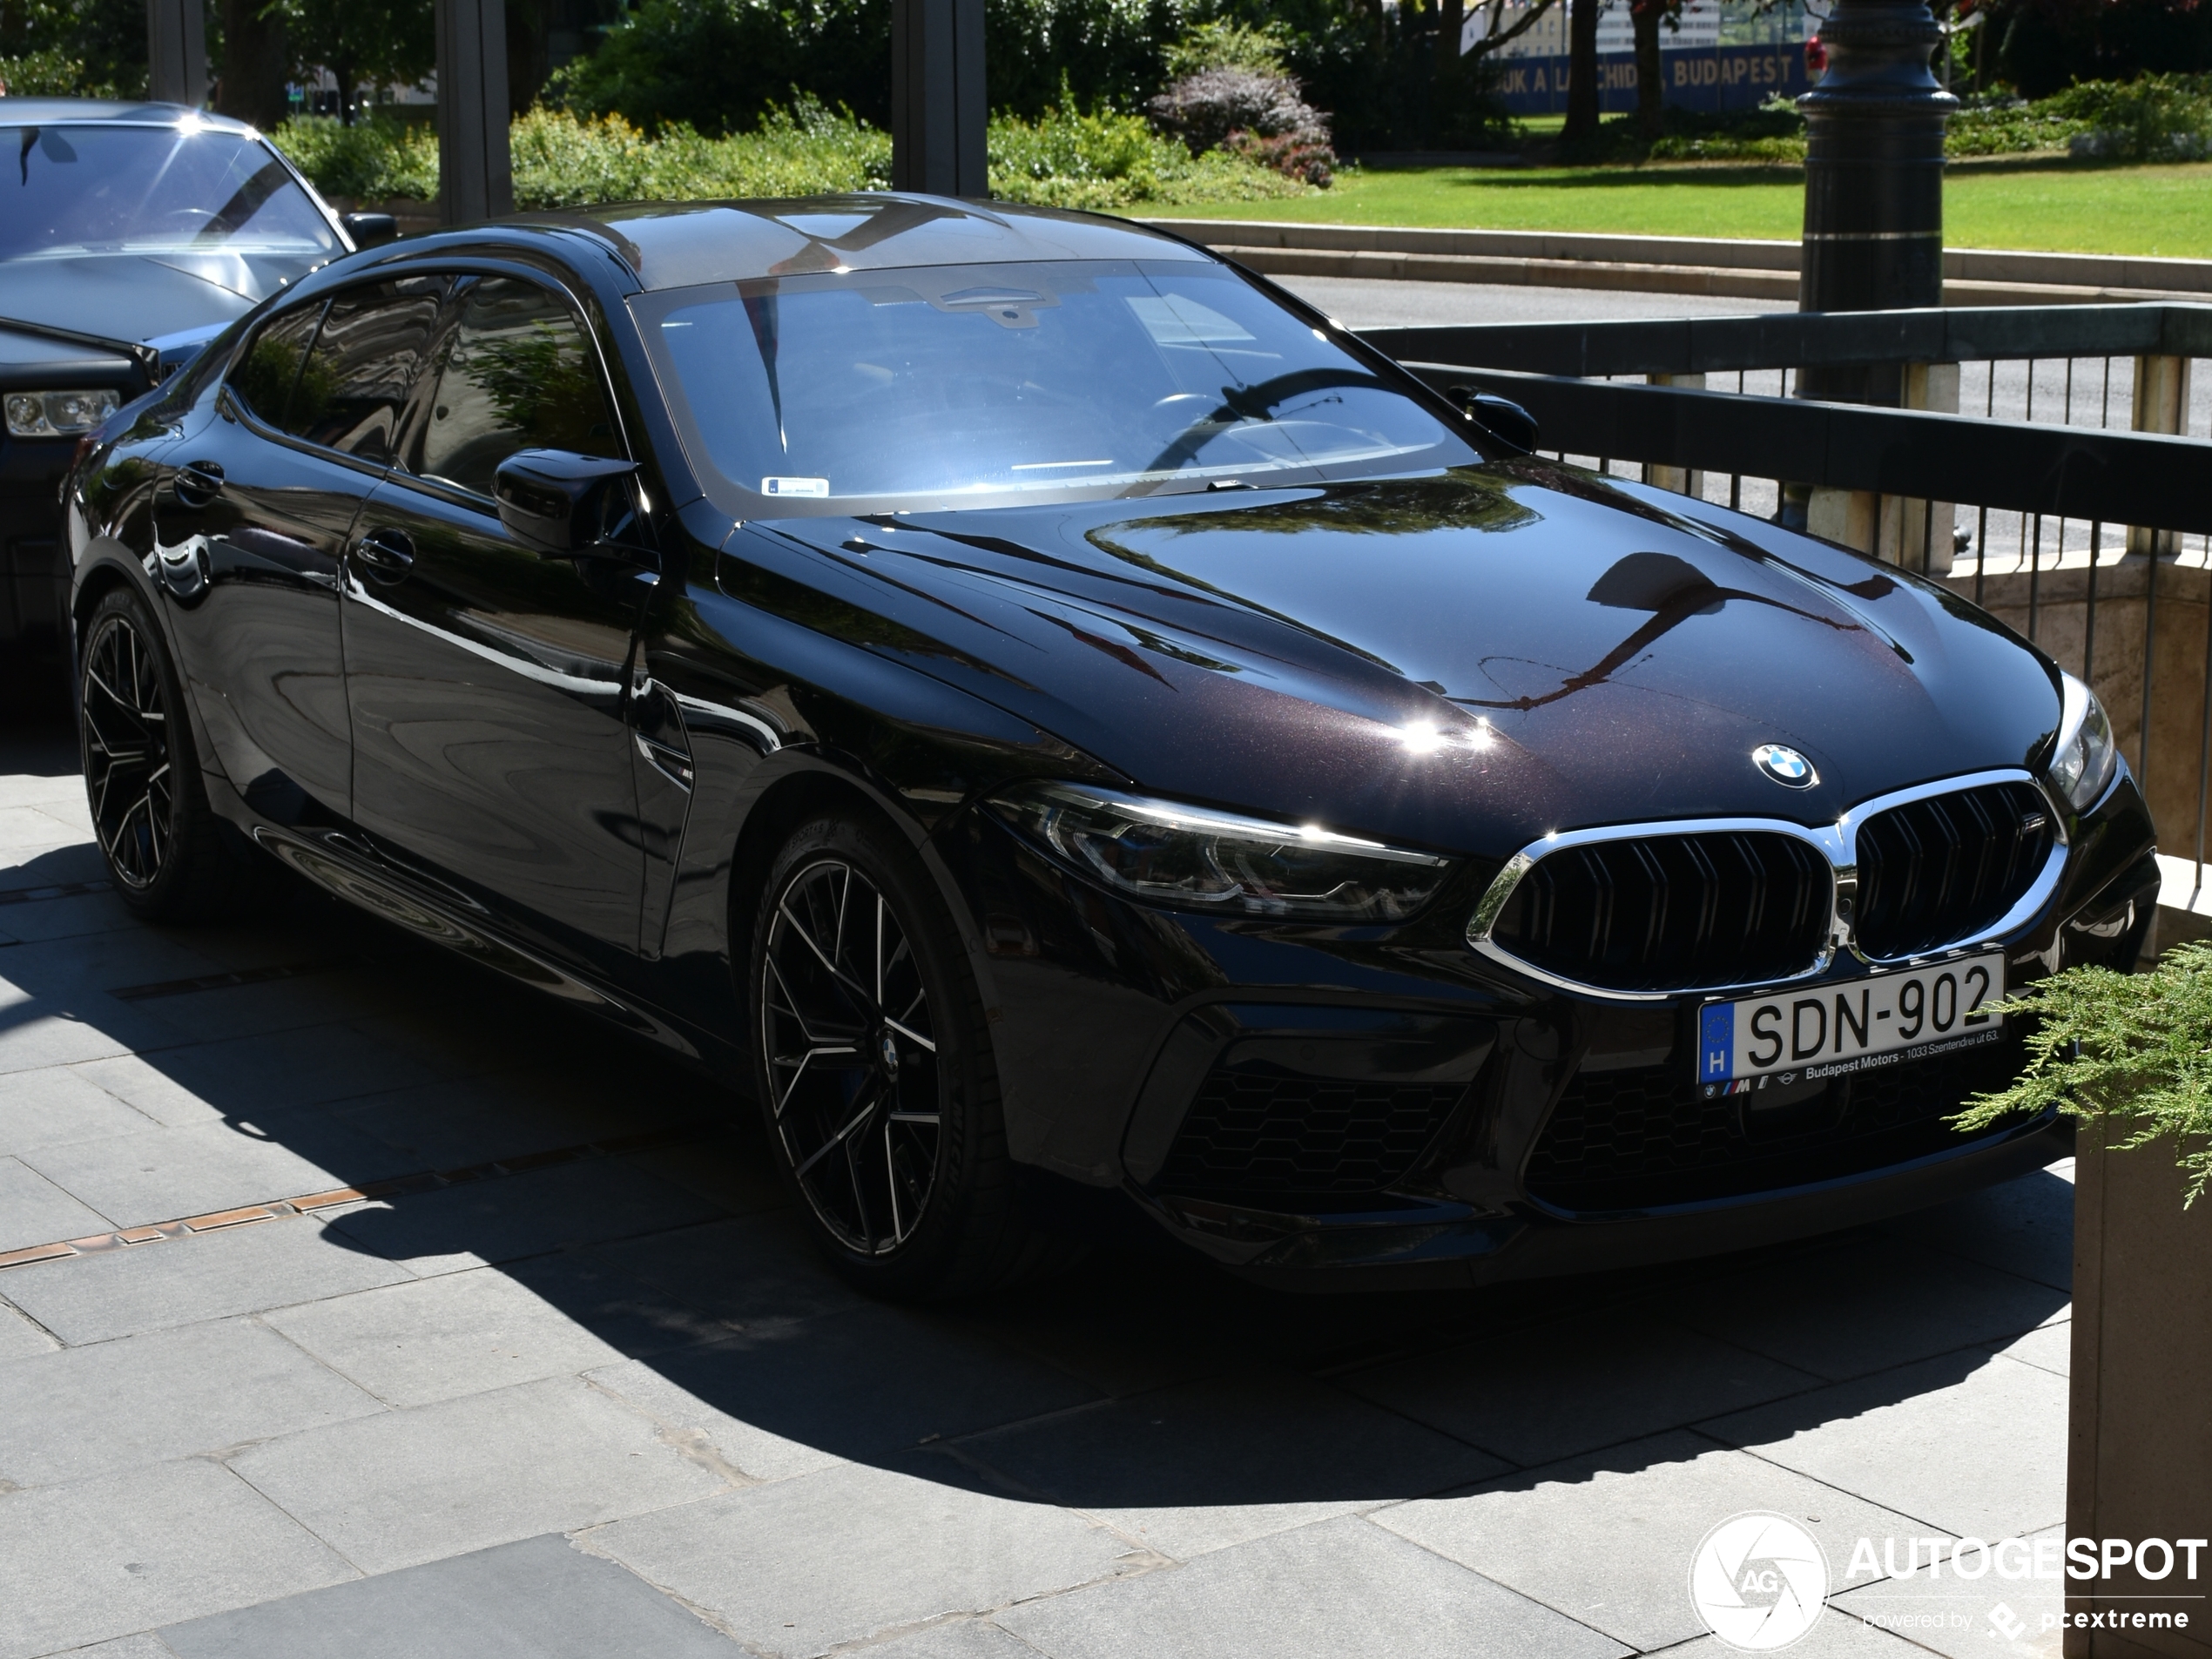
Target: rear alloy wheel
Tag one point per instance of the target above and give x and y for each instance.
(851, 1057)
(876, 1073)
(169, 857)
(129, 775)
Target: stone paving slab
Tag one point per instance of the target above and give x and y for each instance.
(1608, 1540)
(131, 1551)
(35, 1210)
(539, 1599)
(160, 1174)
(408, 1486)
(1199, 1466)
(1879, 1303)
(80, 1412)
(152, 1287)
(457, 1228)
(1341, 1589)
(440, 1339)
(1578, 1385)
(920, 1546)
(58, 1106)
(1973, 1443)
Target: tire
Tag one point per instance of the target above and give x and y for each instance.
(168, 856)
(874, 1066)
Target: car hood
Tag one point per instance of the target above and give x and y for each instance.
(140, 296)
(1468, 661)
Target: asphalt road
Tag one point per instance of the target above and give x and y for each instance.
(1361, 304)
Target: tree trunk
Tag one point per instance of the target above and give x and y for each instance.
(1581, 70)
(343, 74)
(1651, 93)
(256, 65)
(529, 58)
(1448, 38)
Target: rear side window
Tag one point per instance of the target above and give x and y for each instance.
(516, 373)
(264, 377)
(363, 363)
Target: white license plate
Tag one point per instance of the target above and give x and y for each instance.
(1832, 1031)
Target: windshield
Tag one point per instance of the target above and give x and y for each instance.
(963, 384)
(72, 189)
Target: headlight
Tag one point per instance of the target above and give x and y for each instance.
(2085, 757)
(1197, 859)
(59, 415)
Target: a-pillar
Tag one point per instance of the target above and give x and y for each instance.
(476, 169)
(939, 109)
(176, 51)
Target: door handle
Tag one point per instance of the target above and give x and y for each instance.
(199, 482)
(387, 556)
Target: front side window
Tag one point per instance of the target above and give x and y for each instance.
(1008, 383)
(342, 385)
(372, 346)
(264, 376)
(74, 190)
(516, 372)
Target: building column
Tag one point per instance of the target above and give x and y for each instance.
(176, 51)
(475, 170)
(940, 108)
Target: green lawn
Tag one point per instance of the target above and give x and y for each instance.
(2056, 205)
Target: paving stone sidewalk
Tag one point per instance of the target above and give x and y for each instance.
(574, 1382)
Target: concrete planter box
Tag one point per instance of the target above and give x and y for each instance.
(2139, 1461)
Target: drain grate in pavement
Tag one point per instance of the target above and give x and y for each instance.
(223, 981)
(57, 890)
(397, 1186)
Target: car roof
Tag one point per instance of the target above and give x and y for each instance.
(679, 245)
(67, 111)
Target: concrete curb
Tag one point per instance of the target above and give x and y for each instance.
(1753, 270)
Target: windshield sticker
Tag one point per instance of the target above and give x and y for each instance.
(1171, 319)
(814, 489)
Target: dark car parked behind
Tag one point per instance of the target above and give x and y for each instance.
(1086, 742)
(129, 235)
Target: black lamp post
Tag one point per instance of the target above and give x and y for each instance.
(1873, 178)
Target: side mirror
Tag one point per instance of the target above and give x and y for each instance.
(370, 230)
(554, 500)
(1500, 417)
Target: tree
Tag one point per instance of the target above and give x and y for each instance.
(256, 64)
(1581, 72)
(1645, 19)
(378, 43)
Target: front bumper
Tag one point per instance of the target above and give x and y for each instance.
(1332, 1107)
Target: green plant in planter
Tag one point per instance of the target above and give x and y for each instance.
(2136, 1047)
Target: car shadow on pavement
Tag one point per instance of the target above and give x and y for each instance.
(605, 1212)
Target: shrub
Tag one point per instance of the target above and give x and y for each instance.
(1104, 162)
(50, 73)
(374, 159)
(2135, 1047)
(1255, 114)
(2157, 118)
(1223, 44)
(1067, 159)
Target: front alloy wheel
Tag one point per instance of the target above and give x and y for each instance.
(128, 774)
(851, 1057)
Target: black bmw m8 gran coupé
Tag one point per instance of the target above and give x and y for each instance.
(1085, 742)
